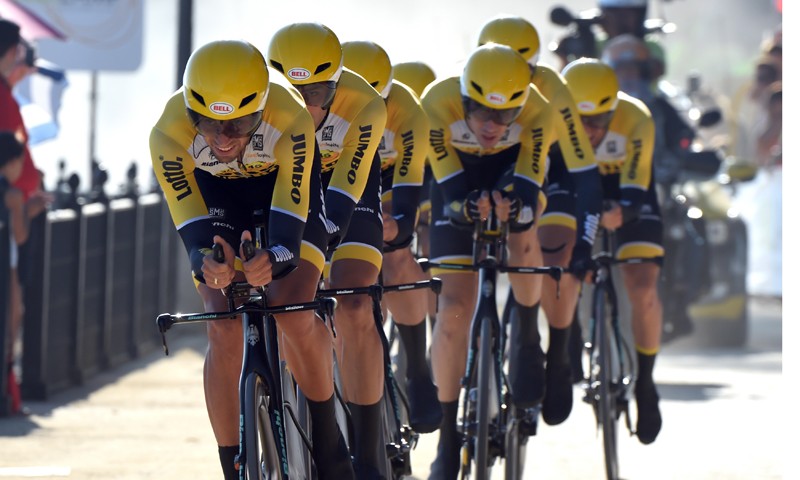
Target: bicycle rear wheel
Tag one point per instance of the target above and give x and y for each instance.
(263, 460)
(606, 407)
(515, 449)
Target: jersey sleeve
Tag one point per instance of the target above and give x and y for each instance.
(637, 170)
(446, 166)
(409, 169)
(294, 152)
(353, 166)
(174, 170)
(537, 135)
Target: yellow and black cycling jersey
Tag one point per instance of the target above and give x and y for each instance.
(577, 154)
(533, 131)
(282, 148)
(403, 150)
(348, 140)
(625, 156)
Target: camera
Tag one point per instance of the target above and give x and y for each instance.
(30, 54)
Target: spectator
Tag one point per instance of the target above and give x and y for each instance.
(12, 160)
(16, 63)
(770, 136)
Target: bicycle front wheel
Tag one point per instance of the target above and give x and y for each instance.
(480, 464)
(263, 460)
(606, 400)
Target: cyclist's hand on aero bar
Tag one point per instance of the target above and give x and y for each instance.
(477, 205)
(507, 206)
(258, 269)
(611, 218)
(219, 274)
(389, 227)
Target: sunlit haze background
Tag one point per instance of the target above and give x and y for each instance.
(718, 38)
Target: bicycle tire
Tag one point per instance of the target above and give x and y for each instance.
(515, 449)
(482, 407)
(606, 399)
(263, 461)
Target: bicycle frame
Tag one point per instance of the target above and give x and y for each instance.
(485, 393)
(612, 368)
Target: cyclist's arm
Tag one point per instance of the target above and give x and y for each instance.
(174, 170)
(295, 152)
(529, 172)
(637, 170)
(581, 164)
(353, 166)
(411, 143)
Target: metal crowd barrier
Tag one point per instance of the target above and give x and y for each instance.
(98, 277)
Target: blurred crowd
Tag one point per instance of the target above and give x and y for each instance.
(759, 105)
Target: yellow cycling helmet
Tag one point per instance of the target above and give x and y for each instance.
(306, 53)
(516, 32)
(593, 86)
(496, 76)
(370, 61)
(226, 79)
(416, 75)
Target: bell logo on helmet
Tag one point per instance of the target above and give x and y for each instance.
(221, 108)
(496, 98)
(586, 106)
(298, 74)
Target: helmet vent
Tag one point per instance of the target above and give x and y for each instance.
(199, 98)
(605, 100)
(477, 87)
(322, 67)
(524, 50)
(247, 99)
(277, 66)
(516, 95)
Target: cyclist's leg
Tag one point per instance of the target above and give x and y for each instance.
(559, 299)
(526, 359)
(221, 369)
(642, 238)
(308, 348)
(409, 311)
(356, 263)
(451, 333)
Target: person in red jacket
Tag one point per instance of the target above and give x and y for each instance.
(16, 64)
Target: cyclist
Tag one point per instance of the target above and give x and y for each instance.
(402, 150)
(419, 75)
(233, 139)
(416, 75)
(490, 129)
(631, 60)
(349, 116)
(566, 233)
(622, 132)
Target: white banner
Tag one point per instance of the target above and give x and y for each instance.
(100, 34)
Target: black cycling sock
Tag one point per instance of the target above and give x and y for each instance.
(366, 447)
(227, 459)
(646, 364)
(526, 330)
(558, 350)
(414, 338)
(333, 461)
(447, 462)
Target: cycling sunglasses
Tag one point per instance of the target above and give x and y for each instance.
(235, 127)
(319, 94)
(601, 121)
(482, 113)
